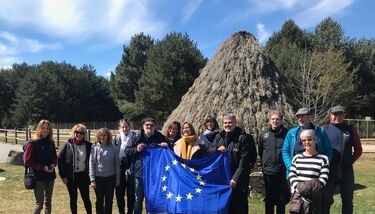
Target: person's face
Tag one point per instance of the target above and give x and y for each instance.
(186, 131)
(275, 121)
(124, 127)
(149, 128)
(173, 130)
(104, 138)
(308, 143)
(303, 120)
(338, 117)
(79, 134)
(210, 125)
(45, 130)
(229, 124)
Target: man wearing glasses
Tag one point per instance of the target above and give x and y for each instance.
(147, 136)
(293, 145)
(343, 137)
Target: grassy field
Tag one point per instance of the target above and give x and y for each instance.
(15, 199)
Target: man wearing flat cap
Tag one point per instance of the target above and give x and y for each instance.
(343, 138)
(293, 144)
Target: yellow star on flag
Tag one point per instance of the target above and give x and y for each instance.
(199, 177)
(192, 170)
(164, 188)
(164, 178)
(189, 196)
(178, 198)
(175, 162)
(167, 167)
(169, 195)
(201, 183)
(198, 190)
(183, 165)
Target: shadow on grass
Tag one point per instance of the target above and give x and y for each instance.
(356, 187)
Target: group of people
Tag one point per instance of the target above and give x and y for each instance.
(304, 165)
(301, 166)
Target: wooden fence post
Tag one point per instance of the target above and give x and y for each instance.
(15, 136)
(27, 134)
(58, 137)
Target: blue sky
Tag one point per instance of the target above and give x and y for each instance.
(94, 31)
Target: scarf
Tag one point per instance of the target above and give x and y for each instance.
(78, 142)
(124, 140)
(186, 146)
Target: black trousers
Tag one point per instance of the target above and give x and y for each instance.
(81, 182)
(277, 193)
(238, 200)
(105, 187)
(126, 184)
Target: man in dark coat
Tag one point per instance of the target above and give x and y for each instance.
(148, 136)
(243, 156)
(270, 144)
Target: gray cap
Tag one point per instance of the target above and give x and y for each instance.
(336, 109)
(302, 111)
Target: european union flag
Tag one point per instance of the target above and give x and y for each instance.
(175, 185)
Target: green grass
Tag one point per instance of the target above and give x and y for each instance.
(15, 199)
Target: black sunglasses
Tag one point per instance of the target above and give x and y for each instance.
(78, 132)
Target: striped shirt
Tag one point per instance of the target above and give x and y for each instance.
(307, 168)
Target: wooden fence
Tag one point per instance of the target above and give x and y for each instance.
(60, 135)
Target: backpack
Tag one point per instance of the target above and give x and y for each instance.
(29, 177)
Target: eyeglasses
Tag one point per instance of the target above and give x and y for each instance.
(78, 132)
(149, 124)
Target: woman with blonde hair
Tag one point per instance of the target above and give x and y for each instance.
(40, 155)
(189, 146)
(73, 167)
(104, 170)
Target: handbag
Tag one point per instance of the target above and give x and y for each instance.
(29, 179)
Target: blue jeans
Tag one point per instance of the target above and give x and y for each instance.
(139, 195)
(346, 183)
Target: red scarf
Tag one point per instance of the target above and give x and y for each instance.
(78, 142)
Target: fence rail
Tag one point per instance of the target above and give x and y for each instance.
(60, 135)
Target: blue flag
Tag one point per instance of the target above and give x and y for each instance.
(174, 185)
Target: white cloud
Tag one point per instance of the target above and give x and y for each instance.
(190, 9)
(113, 21)
(8, 61)
(312, 16)
(306, 13)
(11, 45)
(263, 35)
(268, 6)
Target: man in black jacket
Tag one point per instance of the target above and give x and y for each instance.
(270, 143)
(148, 136)
(243, 156)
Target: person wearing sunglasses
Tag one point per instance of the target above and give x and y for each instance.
(347, 149)
(308, 175)
(148, 136)
(73, 164)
